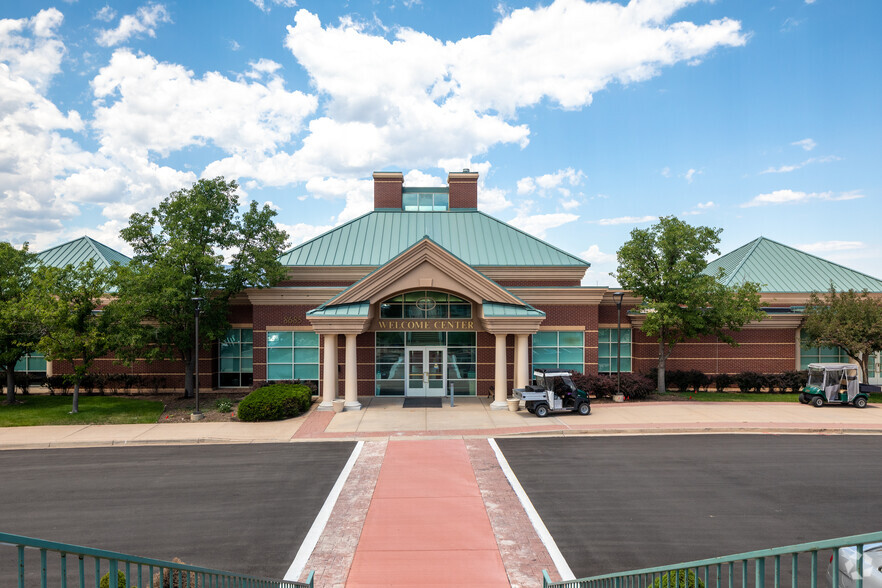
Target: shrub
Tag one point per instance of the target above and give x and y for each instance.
(722, 381)
(697, 380)
(636, 386)
(121, 580)
(223, 404)
(174, 578)
(747, 381)
(793, 381)
(601, 385)
(677, 379)
(275, 402)
(681, 578)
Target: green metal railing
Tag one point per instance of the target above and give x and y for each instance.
(84, 566)
(783, 569)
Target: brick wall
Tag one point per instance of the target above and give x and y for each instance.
(463, 190)
(387, 192)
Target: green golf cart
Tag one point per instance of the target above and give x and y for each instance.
(835, 383)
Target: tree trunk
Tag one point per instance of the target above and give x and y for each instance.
(189, 364)
(661, 367)
(864, 361)
(10, 384)
(76, 398)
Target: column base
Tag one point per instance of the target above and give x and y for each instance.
(326, 405)
(499, 405)
(352, 405)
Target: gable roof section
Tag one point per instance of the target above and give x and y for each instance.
(403, 272)
(780, 268)
(472, 236)
(79, 251)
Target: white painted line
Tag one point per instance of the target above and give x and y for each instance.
(563, 569)
(321, 519)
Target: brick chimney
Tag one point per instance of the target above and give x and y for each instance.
(463, 189)
(387, 189)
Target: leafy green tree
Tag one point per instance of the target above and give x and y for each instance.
(663, 264)
(180, 251)
(847, 319)
(75, 329)
(19, 331)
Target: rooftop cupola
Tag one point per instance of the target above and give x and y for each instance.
(461, 193)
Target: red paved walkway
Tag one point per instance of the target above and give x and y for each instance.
(427, 523)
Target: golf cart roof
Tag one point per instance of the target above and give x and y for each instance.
(552, 373)
(833, 366)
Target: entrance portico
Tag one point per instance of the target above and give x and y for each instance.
(430, 306)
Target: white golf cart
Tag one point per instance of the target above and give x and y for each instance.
(554, 391)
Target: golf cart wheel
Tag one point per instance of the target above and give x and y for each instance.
(585, 408)
(541, 411)
(817, 401)
(803, 399)
(860, 402)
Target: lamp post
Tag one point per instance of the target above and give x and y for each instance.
(197, 414)
(617, 296)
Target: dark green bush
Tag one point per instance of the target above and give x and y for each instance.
(121, 580)
(275, 402)
(794, 381)
(722, 381)
(747, 381)
(601, 385)
(687, 579)
(697, 380)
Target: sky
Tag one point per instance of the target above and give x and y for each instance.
(585, 119)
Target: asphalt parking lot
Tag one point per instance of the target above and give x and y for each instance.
(244, 508)
(620, 503)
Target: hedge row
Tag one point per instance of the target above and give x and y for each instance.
(634, 386)
(695, 381)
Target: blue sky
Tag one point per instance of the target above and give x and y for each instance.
(584, 119)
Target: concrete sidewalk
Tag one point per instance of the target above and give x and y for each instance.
(471, 417)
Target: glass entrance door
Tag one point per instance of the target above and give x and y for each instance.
(873, 372)
(426, 371)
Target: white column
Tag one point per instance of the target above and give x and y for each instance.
(522, 361)
(350, 386)
(329, 373)
(501, 383)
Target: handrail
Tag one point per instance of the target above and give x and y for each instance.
(758, 557)
(113, 558)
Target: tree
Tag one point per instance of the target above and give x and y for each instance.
(847, 319)
(75, 329)
(19, 331)
(664, 265)
(180, 248)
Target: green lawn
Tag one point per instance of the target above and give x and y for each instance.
(94, 410)
(742, 397)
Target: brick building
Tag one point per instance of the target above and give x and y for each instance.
(426, 294)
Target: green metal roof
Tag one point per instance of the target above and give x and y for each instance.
(779, 268)
(355, 309)
(472, 236)
(494, 309)
(80, 251)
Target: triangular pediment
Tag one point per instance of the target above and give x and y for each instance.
(425, 265)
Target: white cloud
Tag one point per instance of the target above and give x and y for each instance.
(416, 178)
(144, 21)
(625, 220)
(461, 93)
(539, 224)
(666, 172)
(570, 204)
(106, 13)
(554, 181)
(806, 144)
(594, 255)
(301, 232)
(810, 1)
(689, 175)
(30, 48)
(265, 5)
(162, 107)
(796, 166)
(821, 247)
(261, 68)
(700, 208)
(797, 197)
